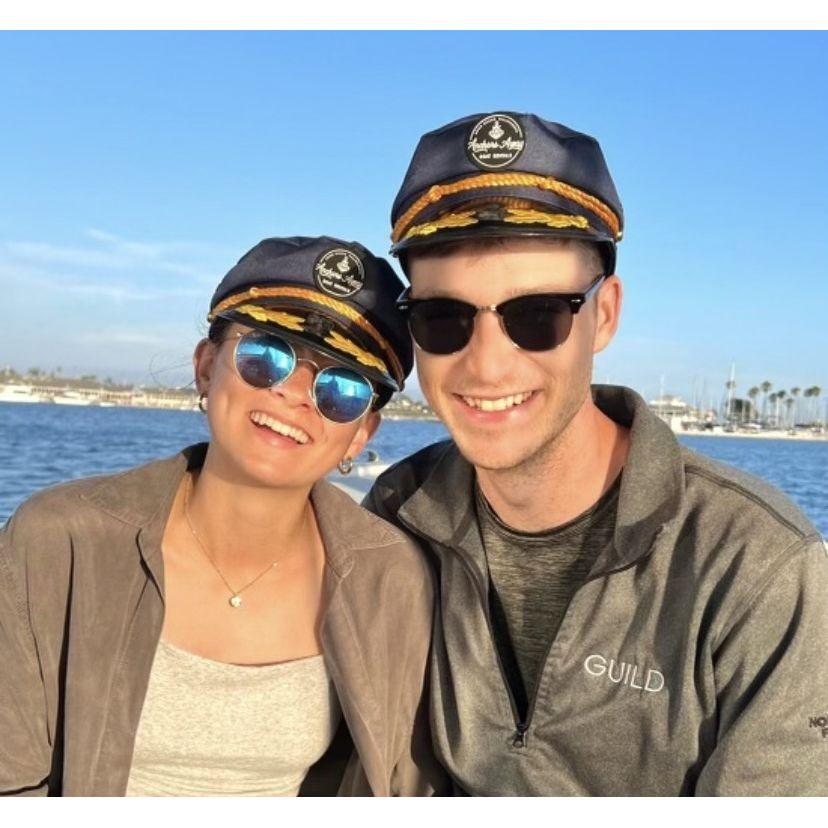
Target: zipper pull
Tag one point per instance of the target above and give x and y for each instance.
(519, 737)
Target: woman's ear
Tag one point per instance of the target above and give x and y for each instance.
(204, 358)
(367, 428)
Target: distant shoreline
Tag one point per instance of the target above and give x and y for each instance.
(776, 435)
(173, 399)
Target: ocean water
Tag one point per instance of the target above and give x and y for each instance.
(44, 444)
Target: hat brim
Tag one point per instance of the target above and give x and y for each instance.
(499, 230)
(316, 341)
(545, 199)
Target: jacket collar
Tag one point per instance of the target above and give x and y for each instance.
(652, 486)
(345, 527)
(143, 498)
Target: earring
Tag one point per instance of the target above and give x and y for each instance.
(345, 465)
(202, 403)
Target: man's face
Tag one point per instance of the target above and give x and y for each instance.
(505, 406)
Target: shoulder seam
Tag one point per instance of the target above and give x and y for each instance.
(744, 606)
(7, 576)
(735, 487)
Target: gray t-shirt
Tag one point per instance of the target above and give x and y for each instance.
(532, 578)
(209, 728)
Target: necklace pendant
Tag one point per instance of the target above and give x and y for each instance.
(235, 601)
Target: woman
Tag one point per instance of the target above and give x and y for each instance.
(225, 621)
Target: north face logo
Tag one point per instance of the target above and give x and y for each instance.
(821, 723)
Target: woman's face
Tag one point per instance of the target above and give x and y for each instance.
(272, 436)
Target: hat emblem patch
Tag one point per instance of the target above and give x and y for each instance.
(339, 273)
(495, 141)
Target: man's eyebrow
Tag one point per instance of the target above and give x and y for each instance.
(510, 294)
(436, 294)
(515, 292)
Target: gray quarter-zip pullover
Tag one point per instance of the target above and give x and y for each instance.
(691, 661)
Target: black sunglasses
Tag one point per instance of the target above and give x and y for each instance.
(535, 322)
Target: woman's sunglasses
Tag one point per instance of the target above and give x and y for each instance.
(535, 322)
(263, 360)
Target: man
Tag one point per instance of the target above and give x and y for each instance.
(617, 615)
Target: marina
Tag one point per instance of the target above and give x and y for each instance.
(743, 418)
(42, 394)
(41, 445)
(179, 399)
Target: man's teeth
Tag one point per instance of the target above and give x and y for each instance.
(263, 419)
(499, 404)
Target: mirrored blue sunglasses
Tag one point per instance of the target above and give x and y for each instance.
(263, 360)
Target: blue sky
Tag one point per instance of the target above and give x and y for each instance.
(135, 168)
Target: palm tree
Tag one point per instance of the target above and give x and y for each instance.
(753, 394)
(813, 410)
(806, 394)
(789, 404)
(779, 396)
(730, 385)
(795, 395)
(765, 386)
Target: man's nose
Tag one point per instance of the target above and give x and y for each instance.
(490, 354)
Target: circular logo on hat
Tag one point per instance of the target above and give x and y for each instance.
(495, 141)
(339, 273)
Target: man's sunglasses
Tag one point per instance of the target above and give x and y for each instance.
(263, 360)
(535, 322)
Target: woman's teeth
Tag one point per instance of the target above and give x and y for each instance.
(262, 419)
(499, 404)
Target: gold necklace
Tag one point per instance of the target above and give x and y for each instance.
(235, 600)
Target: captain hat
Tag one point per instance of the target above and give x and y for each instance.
(332, 295)
(506, 174)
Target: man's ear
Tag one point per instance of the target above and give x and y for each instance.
(204, 358)
(367, 428)
(608, 312)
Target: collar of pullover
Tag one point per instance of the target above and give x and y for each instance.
(651, 488)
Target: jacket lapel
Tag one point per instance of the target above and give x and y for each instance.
(346, 529)
(141, 499)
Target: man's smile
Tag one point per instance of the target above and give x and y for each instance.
(496, 403)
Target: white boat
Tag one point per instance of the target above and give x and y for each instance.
(359, 480)
(71, 398)
(16, 393)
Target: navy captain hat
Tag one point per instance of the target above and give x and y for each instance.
(332, 295)
(506, 174)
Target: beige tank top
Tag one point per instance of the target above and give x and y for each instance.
(214, 729)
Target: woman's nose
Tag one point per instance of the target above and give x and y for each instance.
(297, 389)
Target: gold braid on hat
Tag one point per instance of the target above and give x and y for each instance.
(439, 191)
(240, 302)
(286, 320)
(510, 215)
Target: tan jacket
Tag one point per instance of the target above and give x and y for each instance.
(81, 612)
